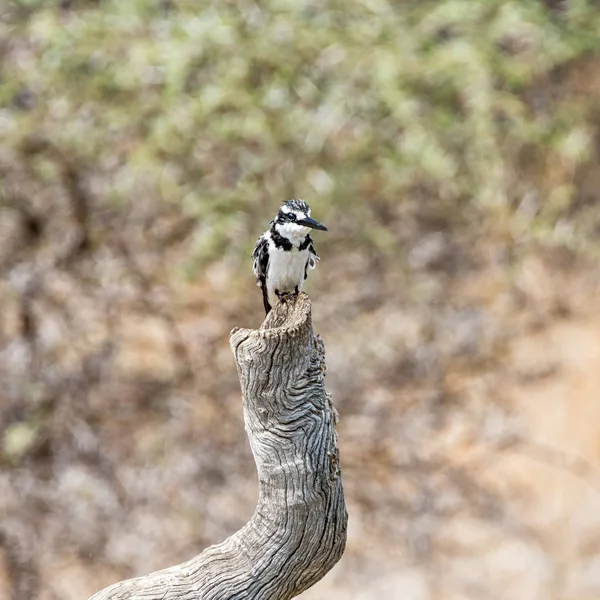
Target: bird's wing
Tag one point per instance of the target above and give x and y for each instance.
(313, 257)
(261, 260)
(260, 266)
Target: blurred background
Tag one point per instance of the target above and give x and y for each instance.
(452, 149)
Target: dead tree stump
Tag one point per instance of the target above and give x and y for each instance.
(298, 531)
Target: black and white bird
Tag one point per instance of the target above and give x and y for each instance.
(285, 252)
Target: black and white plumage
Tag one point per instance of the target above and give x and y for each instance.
(285, 252)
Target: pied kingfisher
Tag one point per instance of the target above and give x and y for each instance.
(285, 252)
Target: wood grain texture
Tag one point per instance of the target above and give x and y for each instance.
(298, 531)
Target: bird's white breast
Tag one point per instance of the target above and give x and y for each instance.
(286, 270)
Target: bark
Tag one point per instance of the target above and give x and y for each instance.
(298, 531)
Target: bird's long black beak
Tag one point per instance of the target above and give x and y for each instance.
(308, 222)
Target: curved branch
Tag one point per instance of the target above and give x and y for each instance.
(298, 531)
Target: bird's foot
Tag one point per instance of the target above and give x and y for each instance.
(285, 296)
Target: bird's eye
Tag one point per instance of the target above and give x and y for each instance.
(291, 216)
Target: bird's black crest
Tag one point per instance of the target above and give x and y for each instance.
(297, 204)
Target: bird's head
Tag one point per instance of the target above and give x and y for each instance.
(293, 221)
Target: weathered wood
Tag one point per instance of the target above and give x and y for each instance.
(298, 531)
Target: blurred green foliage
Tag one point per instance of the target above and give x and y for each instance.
(18, 439)
(440, 113)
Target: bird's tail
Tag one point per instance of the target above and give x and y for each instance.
(265, 298)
